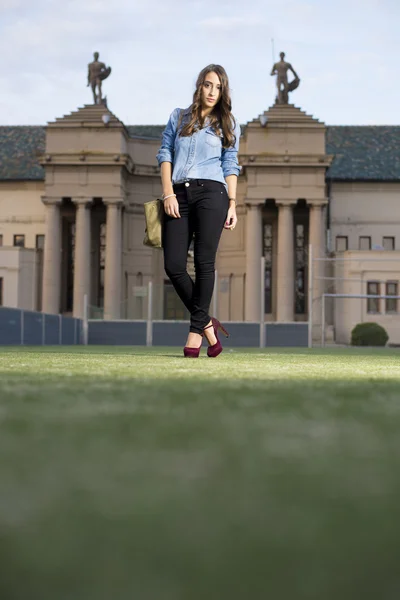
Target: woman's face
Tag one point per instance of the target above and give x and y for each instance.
(211, 92)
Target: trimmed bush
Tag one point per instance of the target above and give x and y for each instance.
(369, 334)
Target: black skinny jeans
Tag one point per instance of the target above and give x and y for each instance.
(203, 206)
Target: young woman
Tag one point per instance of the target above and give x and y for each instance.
(199, 170)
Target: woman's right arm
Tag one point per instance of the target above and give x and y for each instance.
(171, 205)
(166, 178)
(165, 158)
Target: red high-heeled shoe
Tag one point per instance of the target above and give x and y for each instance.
(192, 352)
(216, 349)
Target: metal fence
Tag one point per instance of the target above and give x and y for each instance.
(332, 286)
(141, 322)
(173, 333)
(29, 328)
(157, 332)
(146, 316)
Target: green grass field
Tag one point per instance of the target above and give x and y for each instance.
(131, 473)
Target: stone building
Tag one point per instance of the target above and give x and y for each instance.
(71, 220)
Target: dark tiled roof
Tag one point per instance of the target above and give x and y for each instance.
(20, 147)
(364, 152)
(361, 152)
(146, 131)
(19, 150)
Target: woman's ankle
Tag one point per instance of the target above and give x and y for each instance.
(210, 334)
(194, 340)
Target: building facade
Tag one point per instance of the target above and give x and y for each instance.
(73, 192)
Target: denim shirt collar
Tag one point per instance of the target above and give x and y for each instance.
(187, 112)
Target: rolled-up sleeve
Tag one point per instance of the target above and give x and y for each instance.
(167, 149)
(229, 156)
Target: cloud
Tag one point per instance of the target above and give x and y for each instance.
(224, 23)
(8, 5)
(157, 47)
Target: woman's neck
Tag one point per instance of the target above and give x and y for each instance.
(206, 112)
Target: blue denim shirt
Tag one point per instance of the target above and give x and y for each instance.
(200, 156)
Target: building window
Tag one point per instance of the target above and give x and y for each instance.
(373, 289)
(40, 242)
(391, 303)
(174, 309)
(70, 260)
(300, 281)
(267, 244)
(19, 241)
(1, 239)
(1, 291)
(388, 243)
(342, 243)
(102, 264)
(364, 243)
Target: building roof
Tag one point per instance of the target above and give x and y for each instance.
(361, 152)
(369, 152)
(145, 131)
(20, 148)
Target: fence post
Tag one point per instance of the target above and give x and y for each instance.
(149, 324)
(310, 295)
(59, 330)
(323, 322)
(85, 324)
(43, 328)
(262, 303)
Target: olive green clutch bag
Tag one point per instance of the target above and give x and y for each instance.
(154, 214)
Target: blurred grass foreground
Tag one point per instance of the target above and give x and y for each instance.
(130, 473)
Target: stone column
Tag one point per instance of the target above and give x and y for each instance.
(317, 229)
(285, 262)
(82, 262)
(253, 262)
(317, 241)
(52, 256)
(113, 263)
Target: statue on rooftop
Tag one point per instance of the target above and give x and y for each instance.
(280, 69)
(97, 72)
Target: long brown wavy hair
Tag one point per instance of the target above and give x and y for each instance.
(221, 118)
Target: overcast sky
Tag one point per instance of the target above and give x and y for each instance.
(346, 53)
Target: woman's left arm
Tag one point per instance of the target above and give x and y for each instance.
(231, 217)
(231, 170)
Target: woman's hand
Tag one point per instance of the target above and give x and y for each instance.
(171, 207)
(231, 218)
